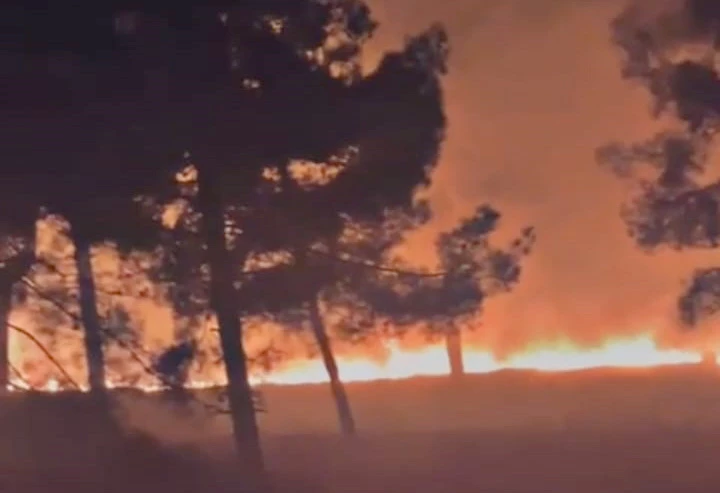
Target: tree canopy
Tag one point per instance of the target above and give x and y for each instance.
(671, 50)
(242, 93)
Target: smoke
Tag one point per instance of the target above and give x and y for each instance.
(534, 89)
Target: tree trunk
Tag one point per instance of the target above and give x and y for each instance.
(453, 344)
(347, 422)
(92, 330)
(13, 270)
(223, 300)
(5, 307)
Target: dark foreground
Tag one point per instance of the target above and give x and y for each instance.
(654, 433)
(644, 462)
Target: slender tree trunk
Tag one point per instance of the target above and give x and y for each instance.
(87, 297)
(223, 300)
(347, 422)
(13, 270)
(453, 344)
(5, 307)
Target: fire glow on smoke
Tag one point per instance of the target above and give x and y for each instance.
(432, 360)
(387, 359)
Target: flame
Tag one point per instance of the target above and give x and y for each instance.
(431, 360)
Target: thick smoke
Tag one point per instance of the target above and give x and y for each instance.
(534, 89)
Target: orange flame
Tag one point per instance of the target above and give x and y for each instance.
(431, 360)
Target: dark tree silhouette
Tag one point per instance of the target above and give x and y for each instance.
(290, 90)
(49, 295)
(293, 67)
(470, 270)
(356, 279)
(671, 50)
(286, 214)
(70, 93)
(322, 275)
(18, 256)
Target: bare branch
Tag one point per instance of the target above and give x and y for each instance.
(47, 353)
(60, 306)
(373, 266)
(20, 377)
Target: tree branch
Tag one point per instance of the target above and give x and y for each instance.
(133, 352)
(20, 377)
(60, 306)
(47, 353)
(374, 266)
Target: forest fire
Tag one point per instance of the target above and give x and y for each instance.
(432, 360)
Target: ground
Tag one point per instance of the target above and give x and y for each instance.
(589, 432)
(668, 462)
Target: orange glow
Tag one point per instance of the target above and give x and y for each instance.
(431, 360)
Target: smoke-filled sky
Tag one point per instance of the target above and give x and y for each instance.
(534, 88)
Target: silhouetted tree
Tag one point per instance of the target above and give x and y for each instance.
(294, 67)
(470, 270)
(355, 280)
(320, 277)
(20, 212)
(671, 49)
(18, 256)
(291, 90)
(68, 71)
(49, 296)
(74, 91)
